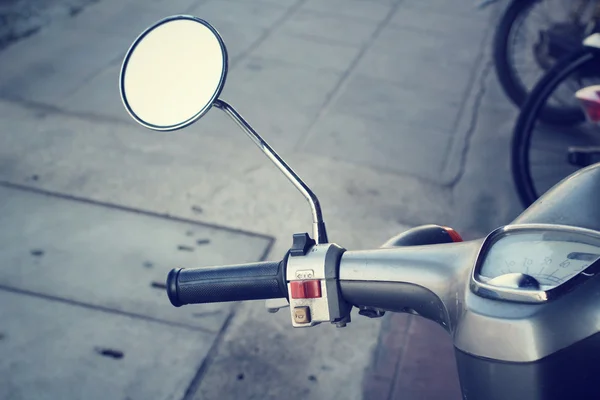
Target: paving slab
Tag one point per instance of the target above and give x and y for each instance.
(53, 350)
(389, 102)
(383, 88)
(238, 38)
(343, 136)
(265, 364)
(48, 67)
(329, 28)
(467, 9)
(98, 96)
(172, 173)
(378, 63)
(22, 18)
(127, 18)
(430, 45)
(308, 52)
(442, 18)
(110, 257)
(278, 98)
(245, 13)
(362, 10)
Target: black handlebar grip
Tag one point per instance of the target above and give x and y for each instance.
(255, 281)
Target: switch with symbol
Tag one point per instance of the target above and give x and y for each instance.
(302, 315)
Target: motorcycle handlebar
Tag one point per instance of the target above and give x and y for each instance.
(254, 281)
(423, 280)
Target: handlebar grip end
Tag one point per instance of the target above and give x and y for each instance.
(172, 291)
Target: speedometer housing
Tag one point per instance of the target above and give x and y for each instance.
(535, 263)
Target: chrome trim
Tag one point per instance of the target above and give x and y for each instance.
(319, 231)
(213, 98)
(483, 289)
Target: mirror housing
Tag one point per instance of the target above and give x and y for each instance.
(173, 73)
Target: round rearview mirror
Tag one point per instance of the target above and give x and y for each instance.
(173, 72)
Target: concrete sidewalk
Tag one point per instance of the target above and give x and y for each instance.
(383, 106)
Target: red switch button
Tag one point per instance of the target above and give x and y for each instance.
(455, 236)
(306, 289)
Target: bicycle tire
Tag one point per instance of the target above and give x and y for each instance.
(509, 80)
(530, 112)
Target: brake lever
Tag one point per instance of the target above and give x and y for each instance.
(274, 305)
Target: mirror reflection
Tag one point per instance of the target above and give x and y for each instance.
(173, 73)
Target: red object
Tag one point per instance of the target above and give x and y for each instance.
(453, 234)
(306, 289)
(592, 109)
(589, 99)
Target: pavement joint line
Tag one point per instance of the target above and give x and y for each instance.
(208, 359)
(332, 95)
(267, 250)
(472, 125)
(287, 15)
(400, 357)
(480, 68)
(259, 2)
(296, 65)
(352, 18)
(321, 40)
(107, 310)
(115, 61)
(214, 349)
(478, 81)
(417, 29)
(119, 207)
(45, 109)
(377, 168)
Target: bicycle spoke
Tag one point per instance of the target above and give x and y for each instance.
(541, 17)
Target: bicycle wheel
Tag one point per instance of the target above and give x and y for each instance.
(539, 162)
(549, 30)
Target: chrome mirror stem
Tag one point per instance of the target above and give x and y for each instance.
(319, 231)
